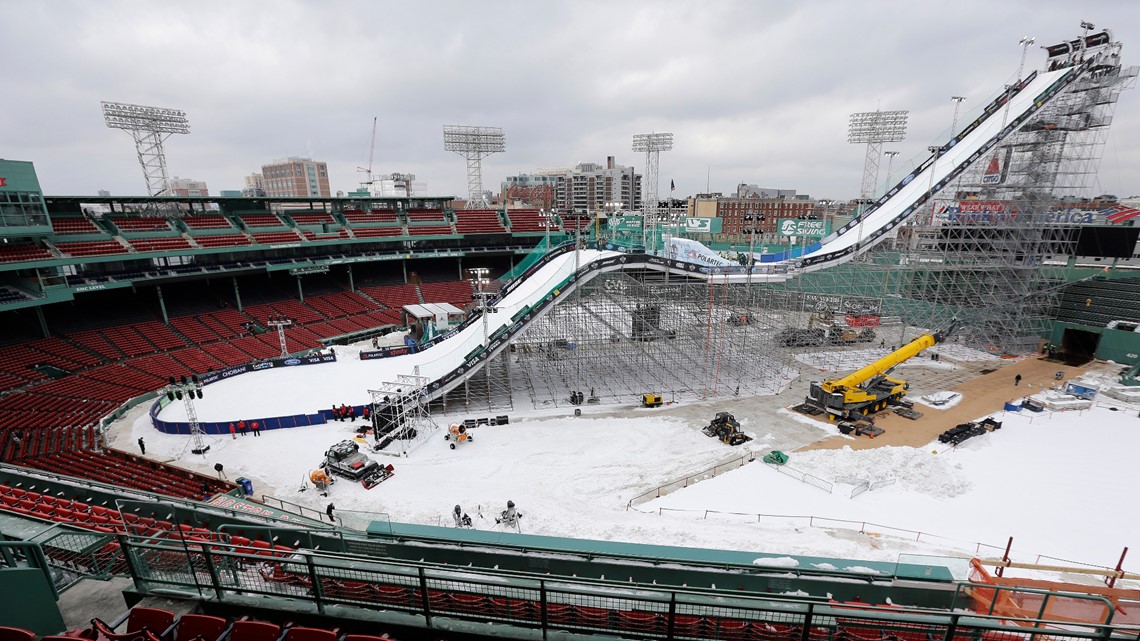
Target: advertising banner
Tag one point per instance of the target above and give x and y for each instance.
(797, 227)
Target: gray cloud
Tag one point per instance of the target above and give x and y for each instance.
(753, 91)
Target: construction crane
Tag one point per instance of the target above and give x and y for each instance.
(870, 389)
(371, 153)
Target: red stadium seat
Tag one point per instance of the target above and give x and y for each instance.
(299, 633)
(16, 634)
(253, 631)
(192, 626)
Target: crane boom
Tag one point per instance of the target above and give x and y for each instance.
(371, 152)
(888, 362)
(870, 389)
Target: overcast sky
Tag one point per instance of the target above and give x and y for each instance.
(756, 92)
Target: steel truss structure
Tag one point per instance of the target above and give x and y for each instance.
(626, 333)
(983, 249)
(402, 402)
(474, 144)
(149, 127)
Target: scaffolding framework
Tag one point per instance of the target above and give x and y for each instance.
(403, 404)
(622, 334)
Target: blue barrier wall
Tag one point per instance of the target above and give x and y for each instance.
(266, 422)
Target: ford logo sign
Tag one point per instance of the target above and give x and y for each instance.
(293, 361)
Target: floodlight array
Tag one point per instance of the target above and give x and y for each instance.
(652, 142)
(877, 126)
(120, 115)
(487, 140)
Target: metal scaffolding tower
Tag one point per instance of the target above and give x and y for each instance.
(401, 403)
(984, 253)
(149, 127)
(474, 144)
(993, 234)
(652, 145)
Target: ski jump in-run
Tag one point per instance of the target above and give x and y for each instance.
(450, 359)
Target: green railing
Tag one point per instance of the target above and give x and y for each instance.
(520, 604)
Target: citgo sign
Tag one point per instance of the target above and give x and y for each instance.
(796, 227)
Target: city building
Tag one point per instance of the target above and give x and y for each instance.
(534, 190)
(295, 177)
(254, 186)
(586, 188)
(186, 187)
(741, 217)
(752, 191)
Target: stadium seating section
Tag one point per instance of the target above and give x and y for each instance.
(159, 244)
(312, 219)
(261, 220)
(377, 232)
(373, 216)
(478, 221)
(14, 253)
(430, 230)
(133, 224)
(53, 391)
(62, 226)
(206, 221)
(456, 293)
(426, 215)
(528, 220)
(91, 248)
(222, 240)
(276, 237)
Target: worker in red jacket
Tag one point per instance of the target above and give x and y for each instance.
(256, 428)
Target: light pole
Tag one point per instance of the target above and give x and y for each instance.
(957, 105)
(280, 323)
(933, 149)
(890, 162)
(185, 391)
(479, 285)
(1025, 42)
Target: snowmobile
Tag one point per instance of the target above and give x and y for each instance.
(458, 434)
(725, 427)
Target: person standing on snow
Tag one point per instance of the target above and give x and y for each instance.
(461, 519)
(509, 517)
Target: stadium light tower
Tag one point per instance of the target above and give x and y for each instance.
(957, 100)
(652, 145)
(874, 128)
(473, 143)
(149, 126)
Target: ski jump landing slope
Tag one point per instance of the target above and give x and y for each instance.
(450, 359)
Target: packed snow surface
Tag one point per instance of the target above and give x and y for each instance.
(574, 477)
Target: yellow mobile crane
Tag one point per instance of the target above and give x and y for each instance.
(870, 389)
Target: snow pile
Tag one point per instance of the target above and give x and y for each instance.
(777, 562)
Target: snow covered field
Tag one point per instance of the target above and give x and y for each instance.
(1056, 482)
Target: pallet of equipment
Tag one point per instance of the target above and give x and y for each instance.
(807, 408)
(906, 412)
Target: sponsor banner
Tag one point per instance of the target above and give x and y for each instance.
(809, 228)
(996, 211)
(385, 353)
(702, 225)
(626, 223)
(289, 361)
